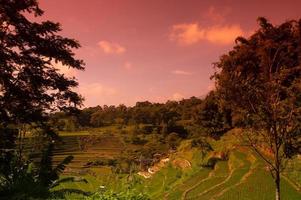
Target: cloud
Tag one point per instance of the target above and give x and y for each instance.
(128, 65)
(180, 72)
(111, 48)
(188, 34)
(224, 34)
(177, 96)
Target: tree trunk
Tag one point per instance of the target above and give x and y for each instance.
(277, 182)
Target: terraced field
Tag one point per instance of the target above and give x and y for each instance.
(243, 177)
(107, 146)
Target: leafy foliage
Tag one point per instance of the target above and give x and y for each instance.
(261, 80)
(213, 117)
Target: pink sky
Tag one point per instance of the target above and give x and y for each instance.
(156, 50)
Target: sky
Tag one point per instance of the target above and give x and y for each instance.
(155, 50)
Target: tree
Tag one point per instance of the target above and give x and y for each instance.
(215, 119)
(30, 83)
(31, 87)
(261, 80)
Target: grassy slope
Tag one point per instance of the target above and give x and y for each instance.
(243, 176)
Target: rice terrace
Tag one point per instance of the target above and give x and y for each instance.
(150, 100)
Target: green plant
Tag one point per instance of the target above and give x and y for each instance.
(26, 175)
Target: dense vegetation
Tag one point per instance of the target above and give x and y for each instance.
(160, 117)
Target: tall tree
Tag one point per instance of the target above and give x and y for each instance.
(31, 87)
(261, 79)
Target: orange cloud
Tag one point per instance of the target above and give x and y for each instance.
(180, 72)
(188, 34)
(223, 34)
(111, 48)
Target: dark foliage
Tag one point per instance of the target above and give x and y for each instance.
(31, 87)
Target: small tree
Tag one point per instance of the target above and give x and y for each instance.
(261, 80)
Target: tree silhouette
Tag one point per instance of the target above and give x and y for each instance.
(31, 86)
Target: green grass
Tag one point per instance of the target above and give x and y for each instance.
(219, 174)
(239, 178)
(260, 186)
(187, 183)
(240, 167)
(161, 182)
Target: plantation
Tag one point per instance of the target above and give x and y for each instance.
(242, 176)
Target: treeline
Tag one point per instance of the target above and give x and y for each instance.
(204, 113)
(142, 113)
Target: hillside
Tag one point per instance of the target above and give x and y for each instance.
(239, 175)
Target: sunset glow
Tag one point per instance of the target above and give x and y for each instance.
(155, 50)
